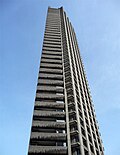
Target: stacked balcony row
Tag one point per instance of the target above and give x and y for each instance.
(48, 135)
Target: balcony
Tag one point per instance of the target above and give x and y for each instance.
(49, 150)
(50, 114)
(50, 89)
(52, 105)
(48, 42)
(72, 104)
(73, 122)
(51, 61)
(50, 76)
(57, 32)
(48, 124)
(52, 34)
(50, 82)
(53, 39)
(72, 113)
(48, 136)
(52, 53)
(74, 132)
(51, 45)
(75, 144)
(47, 65)
(49, 96)
(51, 56)
(52, 49)
(49, 70)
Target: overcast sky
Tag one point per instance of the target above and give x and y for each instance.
(97, 26)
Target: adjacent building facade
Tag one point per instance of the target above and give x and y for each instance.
(64, 121)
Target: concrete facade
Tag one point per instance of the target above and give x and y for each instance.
(64, 121)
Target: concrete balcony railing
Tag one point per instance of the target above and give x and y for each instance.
(52, 29)
(51, 56)
(52, 42)
(53, 39)
(52, 49)
(75, 132)
(48, 136)
(51, 114)
(73, 122)
(72, 113)
(49, 70)
(51, 61)
(50, 76)
(52, 105)
(48, 124)
(52, 45)
(49, 96)
(52, 34)
(52, 53)
(50, 82)
(51, 65)
(53, 150)
(52, 23)
(75, 144)
(49, 89)
(72, 104)
(58, 38)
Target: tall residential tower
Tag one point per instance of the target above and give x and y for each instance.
(64, 121)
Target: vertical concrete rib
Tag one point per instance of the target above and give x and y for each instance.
(76, 65)
(66, 104)
(74, 92)
(88, 100)
(79, 74)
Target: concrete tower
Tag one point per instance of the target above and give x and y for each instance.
(64, 120)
